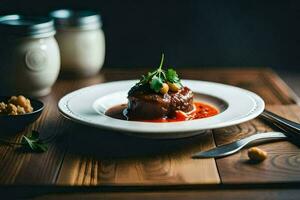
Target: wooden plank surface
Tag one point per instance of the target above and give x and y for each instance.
(282, 164)
(116, 159)
(174, 166)
(16, 167)
(81, 156)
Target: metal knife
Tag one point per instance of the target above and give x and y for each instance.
(233, 147)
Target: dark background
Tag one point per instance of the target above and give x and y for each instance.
(191, 33)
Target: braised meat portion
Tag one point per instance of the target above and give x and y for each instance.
(181, 100)
(145, 104)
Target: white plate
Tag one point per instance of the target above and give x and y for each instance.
(88, 105)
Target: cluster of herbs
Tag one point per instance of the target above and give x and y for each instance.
(158, 77)
(30, 142)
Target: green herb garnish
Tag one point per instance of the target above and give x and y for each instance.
(172, 76)
(156, 83)
(158, 77)
(32, 142)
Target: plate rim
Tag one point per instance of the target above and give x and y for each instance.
(260, 105)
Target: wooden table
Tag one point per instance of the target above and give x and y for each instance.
(104, 164)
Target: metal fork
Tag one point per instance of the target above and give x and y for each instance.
(291, 131)
(231, 148)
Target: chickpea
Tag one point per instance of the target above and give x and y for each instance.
(13, 100)
(28, 108)
(12, 109)
(16, 106)
(20, 110)
(164, 89)
(2, 108)
(257, 154)
(173, 87)
(21, 101)
(2, 105)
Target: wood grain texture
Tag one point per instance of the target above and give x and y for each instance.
(20, 167)
(115, 159)
(108, 158)
(282, 164)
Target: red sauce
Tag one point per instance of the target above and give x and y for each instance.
(202, 110)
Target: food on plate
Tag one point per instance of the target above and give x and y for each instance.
(16, 105)
(160, 96)
(144, 103)
(256, 154)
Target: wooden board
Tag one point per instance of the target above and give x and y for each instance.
(282, 164)
(174, 165)
(124, 160)
(85, 156)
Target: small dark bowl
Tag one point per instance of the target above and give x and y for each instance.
(16, 123)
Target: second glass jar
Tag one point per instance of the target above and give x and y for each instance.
(81, 41)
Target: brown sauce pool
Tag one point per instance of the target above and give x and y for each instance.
(202, 110)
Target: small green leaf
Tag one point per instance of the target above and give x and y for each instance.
(159, 76)
(172, 76)
(33, 142)
(156, 83)
(27, 142)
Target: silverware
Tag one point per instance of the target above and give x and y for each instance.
(233, 147)
(291, 132)
(292, 129)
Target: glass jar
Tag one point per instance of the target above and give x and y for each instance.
(81, 41)
(29, 54)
